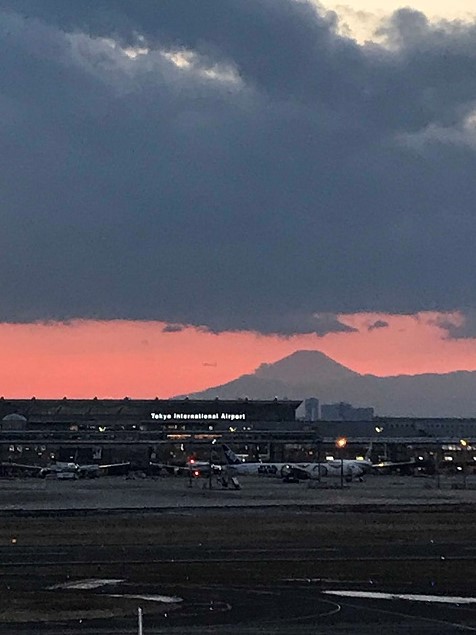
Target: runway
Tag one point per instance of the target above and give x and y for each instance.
(237, 571)
(256, 560)
(276, 608)
(108, 555)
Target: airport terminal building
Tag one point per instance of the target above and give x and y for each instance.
(111, 430)
(139, 430)
(141, 414)
(83, 416)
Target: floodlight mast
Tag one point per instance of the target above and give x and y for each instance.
(464, 446)
(210, 463)
(341, 442)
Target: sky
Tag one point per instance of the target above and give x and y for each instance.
(188, 190)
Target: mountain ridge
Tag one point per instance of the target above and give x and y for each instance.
(310, 373)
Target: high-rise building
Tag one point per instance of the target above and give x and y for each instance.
(311, 406)
(345, 412)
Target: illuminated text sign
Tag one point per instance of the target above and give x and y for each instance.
(198, 416)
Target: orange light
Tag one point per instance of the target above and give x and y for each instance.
(341, 442)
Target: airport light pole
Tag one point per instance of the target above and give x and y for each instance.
(378, 430)
(210, 463)
(139, 621)
(437, 466)
(464, 446)
(318, 449)
(340, 445)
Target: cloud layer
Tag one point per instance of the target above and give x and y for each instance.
(232, 165)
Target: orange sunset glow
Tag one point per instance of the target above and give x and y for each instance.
(137, 359)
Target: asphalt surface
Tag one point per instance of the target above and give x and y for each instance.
(258, 560)
(111, 493)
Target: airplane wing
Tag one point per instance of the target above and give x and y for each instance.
(389, 466)
(173, 470)
(94, 469)
(22, 466)
(393, 463)
(109, 465)
(196, 469)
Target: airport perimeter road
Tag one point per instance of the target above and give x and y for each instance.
(238, 571)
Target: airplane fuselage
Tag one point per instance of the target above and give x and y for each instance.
(306, 470)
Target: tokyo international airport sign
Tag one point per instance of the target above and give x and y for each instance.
(198, 416)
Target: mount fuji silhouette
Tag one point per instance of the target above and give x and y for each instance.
(313, 374)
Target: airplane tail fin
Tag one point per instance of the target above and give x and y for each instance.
(230, 456)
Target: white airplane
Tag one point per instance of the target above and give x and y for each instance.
(367, 466)
(349, 470)
(383, 466)
(362, 465)
(63, 469)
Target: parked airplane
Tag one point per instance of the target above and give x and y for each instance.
(64, 469)
(349, 470)
(386, 466)
(382, 467)
(365, 465)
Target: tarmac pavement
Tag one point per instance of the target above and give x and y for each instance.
(110, 493)
(79, 557)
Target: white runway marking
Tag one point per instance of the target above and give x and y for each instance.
(320, 580)
(415, 618)
(165, 599)
(374, 595)
(337, 608)
(85, 585)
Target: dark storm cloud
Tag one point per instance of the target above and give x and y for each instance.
(293, 322)
(172, 328)
(281, 172)
(378, 324)
(462, 328)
